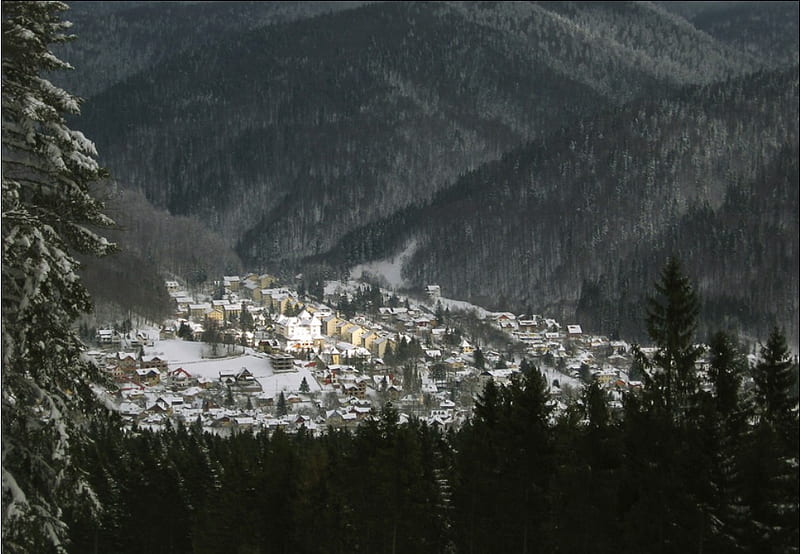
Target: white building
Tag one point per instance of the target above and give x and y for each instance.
(301, 331)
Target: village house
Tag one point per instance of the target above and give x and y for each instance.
(180, 378)
(352, 334)
(574, 331)
(423, 323)
(172, 286)
(216, 314)
(126, 361)
(149, 377)
(266, 280)
(245, 382)
(107, 336)
(433, 291)
(227, 377)
(356, 388)
(114, 371)
(231, 283)
(198, 312)
(506, 321)
(368, 338)
(300, 332)
(232, 310)
(330, 355)
(380, 346)
(329, 325)
(249, 290)
(279, 301)
(155, 362)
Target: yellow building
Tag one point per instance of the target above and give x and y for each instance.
(232, 310)
(267, 280)
(198, 312)
(368, 338)
(353, 334)
(380, 345)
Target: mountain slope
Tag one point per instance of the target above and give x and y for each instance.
(120, 39)
(289, 136)
(543, 154)
(769, 31)
(604, 203)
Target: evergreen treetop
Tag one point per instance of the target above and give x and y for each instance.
(773, 378)
(671, 323)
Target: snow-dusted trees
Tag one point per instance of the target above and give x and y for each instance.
(47, 215)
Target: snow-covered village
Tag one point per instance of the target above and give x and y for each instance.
(246, 354)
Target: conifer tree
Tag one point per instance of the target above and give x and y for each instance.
(773, 378)
(726, 369)
(281, 408)
(671, 324)
(724, 426)
(478, 358)
(596, 406)
(48, 215)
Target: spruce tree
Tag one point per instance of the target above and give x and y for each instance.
(772, 470)
(725, 371)
(48, 215)
(281, 408)
(773, 378)
(480, 361)
(671, 324)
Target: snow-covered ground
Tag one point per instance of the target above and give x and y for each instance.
(189, 356)
(460, 305)
(390, 269)
(555, 375)
(288, 382)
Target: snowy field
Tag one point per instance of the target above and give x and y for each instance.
(288, 382)
(460, 305)
(390, 269)
(189, 356)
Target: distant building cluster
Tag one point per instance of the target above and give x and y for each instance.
(397, 352)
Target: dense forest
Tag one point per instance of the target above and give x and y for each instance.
(151, 244)
(580, 226)
(537, 154)
(693, 462)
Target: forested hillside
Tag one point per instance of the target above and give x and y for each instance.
(120, 39)
(152, 244)
(300, 132)
(768, 30)
(573, 144)
(710, 172)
